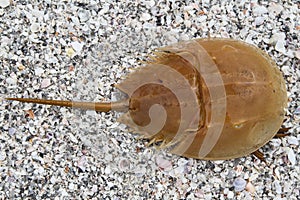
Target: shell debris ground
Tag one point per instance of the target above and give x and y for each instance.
(84, 48)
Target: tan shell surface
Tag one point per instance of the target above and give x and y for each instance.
(255, 99)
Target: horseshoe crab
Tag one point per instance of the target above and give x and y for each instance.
(210, 99)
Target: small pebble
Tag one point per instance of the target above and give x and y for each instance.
(21, 67)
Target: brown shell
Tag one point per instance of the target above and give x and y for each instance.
(207, 98)
(234, 83)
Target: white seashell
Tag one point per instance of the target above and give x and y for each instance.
(35, 27)
(280, 46)
(259, 21)
(2, 155)
(53, 179)
(286, 69)
(163, 163)
(12, 131)
(73, 138)
(77, 46)
(277, 187)
(291, 156)
(199, 193)
(62, 42)
(32, 130)
(287, 187)
(104, 10)
(124, 165)
(82, 163)
(71, 186)
(149, 4)
(293, 140)
(239, 169)
(145, 17)
(276, 37)
(107, 170)
(297, 54)
(297, 111)
(50, 58)
(45, 83)
(94, 188)
(230, 195)
(260, 10)
(140, 171)
(277, 173)
(4, 3)
(5, 40)
(38, 14)
(90, 113)
(11, 81)
(33, 38)
(84, 15)
(250, 188)
(276, 142)
(179, 170)
(275, 8)
(65, 121)
(239, 184)
(38, 71)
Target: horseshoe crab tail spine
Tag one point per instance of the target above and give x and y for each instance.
(97, 106)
